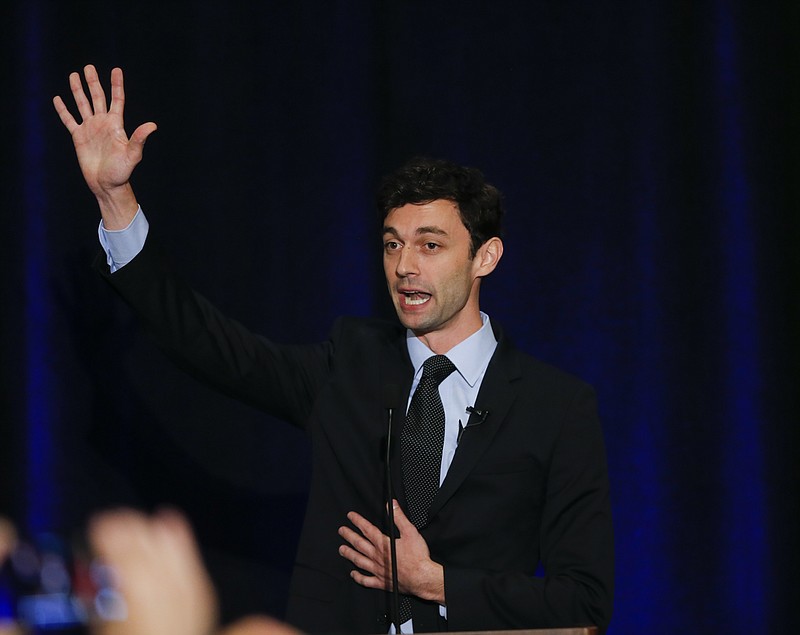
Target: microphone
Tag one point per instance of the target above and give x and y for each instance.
(481, 414)
(392, 401)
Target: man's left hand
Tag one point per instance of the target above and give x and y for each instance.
(369, 550)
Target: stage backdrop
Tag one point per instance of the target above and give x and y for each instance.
(648, 152)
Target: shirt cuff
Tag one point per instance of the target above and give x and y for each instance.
(123, 245)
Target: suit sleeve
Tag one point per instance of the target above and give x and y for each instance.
(281, 380)
(576, 545)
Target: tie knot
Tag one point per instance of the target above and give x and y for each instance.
(437, 368)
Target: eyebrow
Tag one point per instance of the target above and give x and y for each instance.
(431, 229)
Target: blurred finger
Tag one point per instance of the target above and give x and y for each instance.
(259, 625)
(8, 538)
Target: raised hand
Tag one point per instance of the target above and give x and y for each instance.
(106, 155)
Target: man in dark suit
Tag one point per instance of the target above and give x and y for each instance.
(520, 471)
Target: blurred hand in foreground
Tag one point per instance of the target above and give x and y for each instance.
(159, 572)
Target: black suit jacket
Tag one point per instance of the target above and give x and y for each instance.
(527, 487)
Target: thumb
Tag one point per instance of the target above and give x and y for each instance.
(139, 136)
(400, 518)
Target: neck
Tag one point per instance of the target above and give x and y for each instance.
(442, 340)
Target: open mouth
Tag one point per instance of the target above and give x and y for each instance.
(416, 298)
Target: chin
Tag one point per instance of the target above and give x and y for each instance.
(407, 321)
(419, 327)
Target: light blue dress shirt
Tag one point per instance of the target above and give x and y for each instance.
(122, 245)
(460, 389)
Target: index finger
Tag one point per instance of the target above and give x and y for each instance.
(367, 529)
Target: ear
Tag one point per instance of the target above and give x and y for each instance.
(488, 256)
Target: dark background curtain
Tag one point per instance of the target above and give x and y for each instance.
(648, 152)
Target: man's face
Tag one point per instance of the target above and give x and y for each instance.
(431, 277)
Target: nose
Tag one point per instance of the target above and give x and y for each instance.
(406, 262)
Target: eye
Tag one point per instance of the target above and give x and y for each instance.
(391, 245)
(431, 246)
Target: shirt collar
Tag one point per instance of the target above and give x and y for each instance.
(470, 357)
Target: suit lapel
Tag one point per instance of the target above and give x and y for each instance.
(495, 398)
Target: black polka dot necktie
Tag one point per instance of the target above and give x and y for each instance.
(421, 444)
(422, 439)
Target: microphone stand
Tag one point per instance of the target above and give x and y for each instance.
(395, 604)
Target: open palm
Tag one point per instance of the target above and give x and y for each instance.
(106, 155)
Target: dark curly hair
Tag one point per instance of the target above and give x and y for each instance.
(423, 180)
